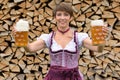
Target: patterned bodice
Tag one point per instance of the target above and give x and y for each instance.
(67, 57)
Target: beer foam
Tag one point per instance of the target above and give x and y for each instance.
(22, 25)
(97, 23)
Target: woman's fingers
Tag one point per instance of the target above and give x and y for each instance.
(106, 32)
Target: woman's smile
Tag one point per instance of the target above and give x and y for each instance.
(62, 18)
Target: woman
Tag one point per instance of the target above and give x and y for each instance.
(64, 46)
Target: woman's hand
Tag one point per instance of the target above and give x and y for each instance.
(106, 31)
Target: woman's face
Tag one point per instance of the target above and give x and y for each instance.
(62, 19)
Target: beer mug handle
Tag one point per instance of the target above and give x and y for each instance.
(109, 32)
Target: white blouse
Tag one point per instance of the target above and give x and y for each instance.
(55, 46)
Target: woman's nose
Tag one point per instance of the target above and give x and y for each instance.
(62, 17)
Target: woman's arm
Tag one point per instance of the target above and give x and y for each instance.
(35, 46)
(88, 44)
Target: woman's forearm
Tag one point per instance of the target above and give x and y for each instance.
(35, 46)
(27, 48)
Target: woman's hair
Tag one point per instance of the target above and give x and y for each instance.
(63, 6)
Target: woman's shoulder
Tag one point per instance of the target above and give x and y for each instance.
(81, 33)
(45, 35)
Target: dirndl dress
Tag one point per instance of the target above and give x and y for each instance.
(59, 73)
(64, 62)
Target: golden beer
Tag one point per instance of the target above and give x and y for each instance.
(97, 32)
(21, 36)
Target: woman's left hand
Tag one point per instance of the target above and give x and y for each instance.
(106, 31)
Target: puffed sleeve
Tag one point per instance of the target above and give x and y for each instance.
(46, 38)
(81, 37)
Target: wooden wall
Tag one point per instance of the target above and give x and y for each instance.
(17, 64)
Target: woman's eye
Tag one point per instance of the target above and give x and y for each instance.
(66, 14)
(59, 14)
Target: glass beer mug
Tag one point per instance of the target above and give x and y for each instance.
(21, 37)
(98, 38)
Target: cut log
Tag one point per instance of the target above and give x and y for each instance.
(28, 4)
(3, 64)
(32, 8)
(18, 54)
(107, 14)
(118, 15)
(30, 77)
(76, 2)
(22, 64)
(52, 4)
(8, 51)
(49, 11)
(22, 5)
(14, 68)
(112, 22)
(5, 74)
(117, 9)
(35, 68)
(16, 1)
(81, 18)
(76, 7)
(97, 77)
(116, 34)
(116, 50)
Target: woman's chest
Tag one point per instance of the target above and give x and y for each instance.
(63, 41)
(71, 46)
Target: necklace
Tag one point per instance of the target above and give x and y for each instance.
(63, 32)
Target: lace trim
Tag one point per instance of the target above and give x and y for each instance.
(61, 50)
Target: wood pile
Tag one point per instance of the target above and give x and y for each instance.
(17, 64)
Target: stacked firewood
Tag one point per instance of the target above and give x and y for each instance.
(17, 64)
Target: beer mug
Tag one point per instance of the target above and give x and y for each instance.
(21, 37)
(98, 38)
